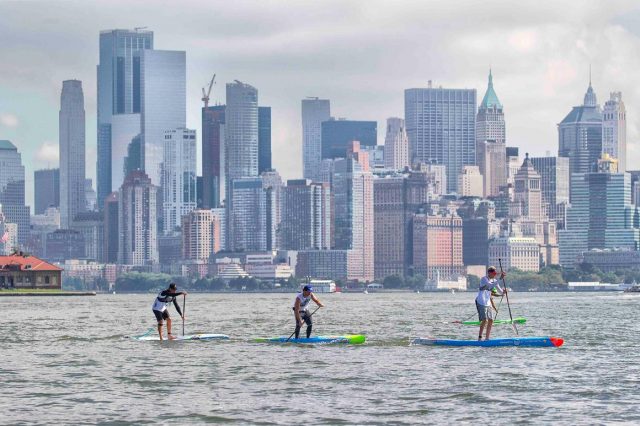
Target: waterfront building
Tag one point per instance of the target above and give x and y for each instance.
(163, 104)
(264, 139)
(72, 152)
(22, 271)
(314, 112)
(437, 246)
(601, 216)
(554, 183)
(212, 155)
(470, 182)
(306, 216)
(611, 259)
(119, 93)
(515, 252)
(178, 177)
(396, 145)
(441, 127)
(201, 231)
(337, 136)
(580, 135)
(46, 189)
(12, 189)
(137, 220)
(614, 130)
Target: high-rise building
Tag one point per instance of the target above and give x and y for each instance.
(441, 126)
(470, 182)
(601, 216)
(72, 152)
(221, 214)
(137, 220)
(89, 195)
(439, 173)
(352, 188)
(437, 246)
(314, 112)
(111, 232)
(63, 244)
(46, 189)
(126, 147)
(264, 139)
(306, 216)
(396, 198)
(272, 184)
(337, 136)
(178, 177)
(515, 252)
(513, 163)
(396, 145)
(528, 191)
(492, 161)
(212, 155)
(614, 130)
(119, 92)
(200, 234)
(580, 135)
(251, 213)
(241, 132)
(554, 182)
(91, 225)
(163, 103)
(490, 119)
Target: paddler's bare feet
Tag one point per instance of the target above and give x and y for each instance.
(171, 337)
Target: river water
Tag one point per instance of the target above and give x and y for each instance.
(67, 360)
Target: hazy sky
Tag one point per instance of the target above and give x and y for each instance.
(359, 54)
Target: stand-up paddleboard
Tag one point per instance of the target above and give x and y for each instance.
(200, 336)
(354, 339)
(539, 342)
(518, 320)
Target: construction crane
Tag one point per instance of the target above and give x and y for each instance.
(139, 28)
(205, 95)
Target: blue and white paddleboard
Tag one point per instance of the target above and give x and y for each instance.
(354, 339)
(201, 336)
(514, 341)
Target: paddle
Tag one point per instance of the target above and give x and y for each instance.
(513, 324)
(184, 310)
(294, 332)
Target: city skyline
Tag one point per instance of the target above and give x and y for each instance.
(547, 56)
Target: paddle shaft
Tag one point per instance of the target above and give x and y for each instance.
(184, 310)
(507, 294)
(294, 332)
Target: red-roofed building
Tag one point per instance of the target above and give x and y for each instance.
(26, 271)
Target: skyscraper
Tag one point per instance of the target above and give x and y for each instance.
(137, 220)
(163, 103)
(264, 139)
(12, 189)
(441, 126)
(111, 233)
(490, 118)
(46, 189)
(200, 234)
(72, 152)
(314, 112)
(580, 135)
(554, 174)
(396, 145)
(119, 92)
(178, 177)
(337, 136)
(490, 142)
(306, 216)
(513, 163)
(251, 211)
(212, 155)
(601, 216)
(528, 191)
(614, 130)
(241, 132)
(437, 246)
(470, 182)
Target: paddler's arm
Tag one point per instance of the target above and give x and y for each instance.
(175, 301)
(315, 299)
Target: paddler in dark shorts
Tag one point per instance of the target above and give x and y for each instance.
(160, 307)
(301, 309)
(489, 286)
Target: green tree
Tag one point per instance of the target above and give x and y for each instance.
(393, 281)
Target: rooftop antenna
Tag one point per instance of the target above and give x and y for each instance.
(205, 95)
(139, 28)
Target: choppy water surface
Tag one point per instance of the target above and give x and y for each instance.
(68, 361)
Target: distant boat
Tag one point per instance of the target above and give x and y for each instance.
(365, 291)
(633, 289)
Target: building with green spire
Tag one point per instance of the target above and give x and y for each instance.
(490, 142)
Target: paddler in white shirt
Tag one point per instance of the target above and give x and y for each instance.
(489, 286)
(301, 309)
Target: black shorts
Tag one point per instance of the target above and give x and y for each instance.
(161, 315)
(304, 316)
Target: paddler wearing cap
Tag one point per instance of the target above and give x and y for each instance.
(159, 308)
(301, 309)
(489, 286)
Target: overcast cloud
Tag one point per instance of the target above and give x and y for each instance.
(359, 54)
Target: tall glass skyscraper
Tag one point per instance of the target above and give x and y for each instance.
(163, 103)
(241, 131)
(72, 152)
(264, 139)
(46, 189)
(212, 155)
(441, 126)
(119, 92)
(580, 135)
(178, 177)
(337, 136)
(12, 189)
(314, 112)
